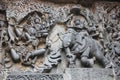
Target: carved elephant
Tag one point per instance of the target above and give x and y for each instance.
(81, 45)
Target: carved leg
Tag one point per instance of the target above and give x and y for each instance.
(84, 58)
(35, 53)
(101, 58)
(71, 57)
(87, 62)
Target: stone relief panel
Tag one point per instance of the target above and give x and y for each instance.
(110, 18)
(45, 37)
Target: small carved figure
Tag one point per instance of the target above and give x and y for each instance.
(92, 29)
(20, 38)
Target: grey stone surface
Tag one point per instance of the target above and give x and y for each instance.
(33, 35)
(89, 74)
(70, 74)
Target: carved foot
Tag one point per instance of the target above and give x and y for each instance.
(42, 69)
(88, 62)
(72, 65)
(91, 61)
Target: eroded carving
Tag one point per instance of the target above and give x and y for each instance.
(78, 43)
(38, 37)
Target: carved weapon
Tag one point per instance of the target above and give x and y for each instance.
(18, 32)
(14, 55)
(11, 34)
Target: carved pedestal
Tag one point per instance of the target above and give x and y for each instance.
(89, 74)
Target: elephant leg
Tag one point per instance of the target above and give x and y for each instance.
(85, 60)
(70, 57)
(101, 58)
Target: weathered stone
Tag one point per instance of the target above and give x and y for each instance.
(45, 37)
(89, 74)
(70, 74)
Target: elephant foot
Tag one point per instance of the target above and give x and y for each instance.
(72, 65)
(92, 61)
(88, 62)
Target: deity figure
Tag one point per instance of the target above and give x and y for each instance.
(21, 38)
